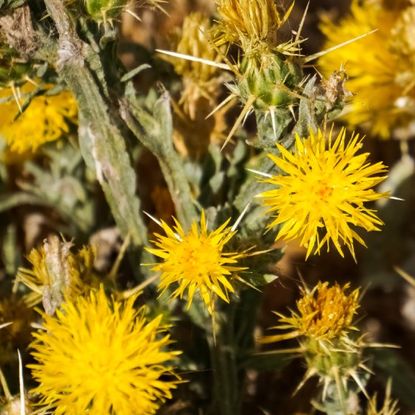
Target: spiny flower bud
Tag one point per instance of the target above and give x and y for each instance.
(272, 82)
(324, 314)
(268, 75)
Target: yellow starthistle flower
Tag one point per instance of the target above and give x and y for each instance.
(57, 273)
(196, 261)
(324, 313)
(380, 67)
(45, 119)
(319, 196)
(248, 23)
(323, 326)
(267, 78)
(101, 357)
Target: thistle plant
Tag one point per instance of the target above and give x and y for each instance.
(326, 334)
(229, 141)
(269, 75)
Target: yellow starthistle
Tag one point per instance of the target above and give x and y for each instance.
(380, 67)
(267, 78)
(323, 325)
(251, 24)
(101, 356)
(57, 273)
(319, 197)
(324, 313)
(196, 261)
(46, 118)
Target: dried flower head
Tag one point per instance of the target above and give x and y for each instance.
(196, 261)
(194, 130)
(27, 121)
(101, 356)
(194, 41)
(57, 273)
(320, 198)
(380, 67)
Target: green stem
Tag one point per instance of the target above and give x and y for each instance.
(100, 128)
(226, 383)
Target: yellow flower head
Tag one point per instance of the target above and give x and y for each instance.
(320, 194)
(380, 67)
(324, 313)
(45, 119)
(102, 357)
(247, 22)
(57, 273)
(195, 261)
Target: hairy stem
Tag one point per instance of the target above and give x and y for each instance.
(100, 129)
